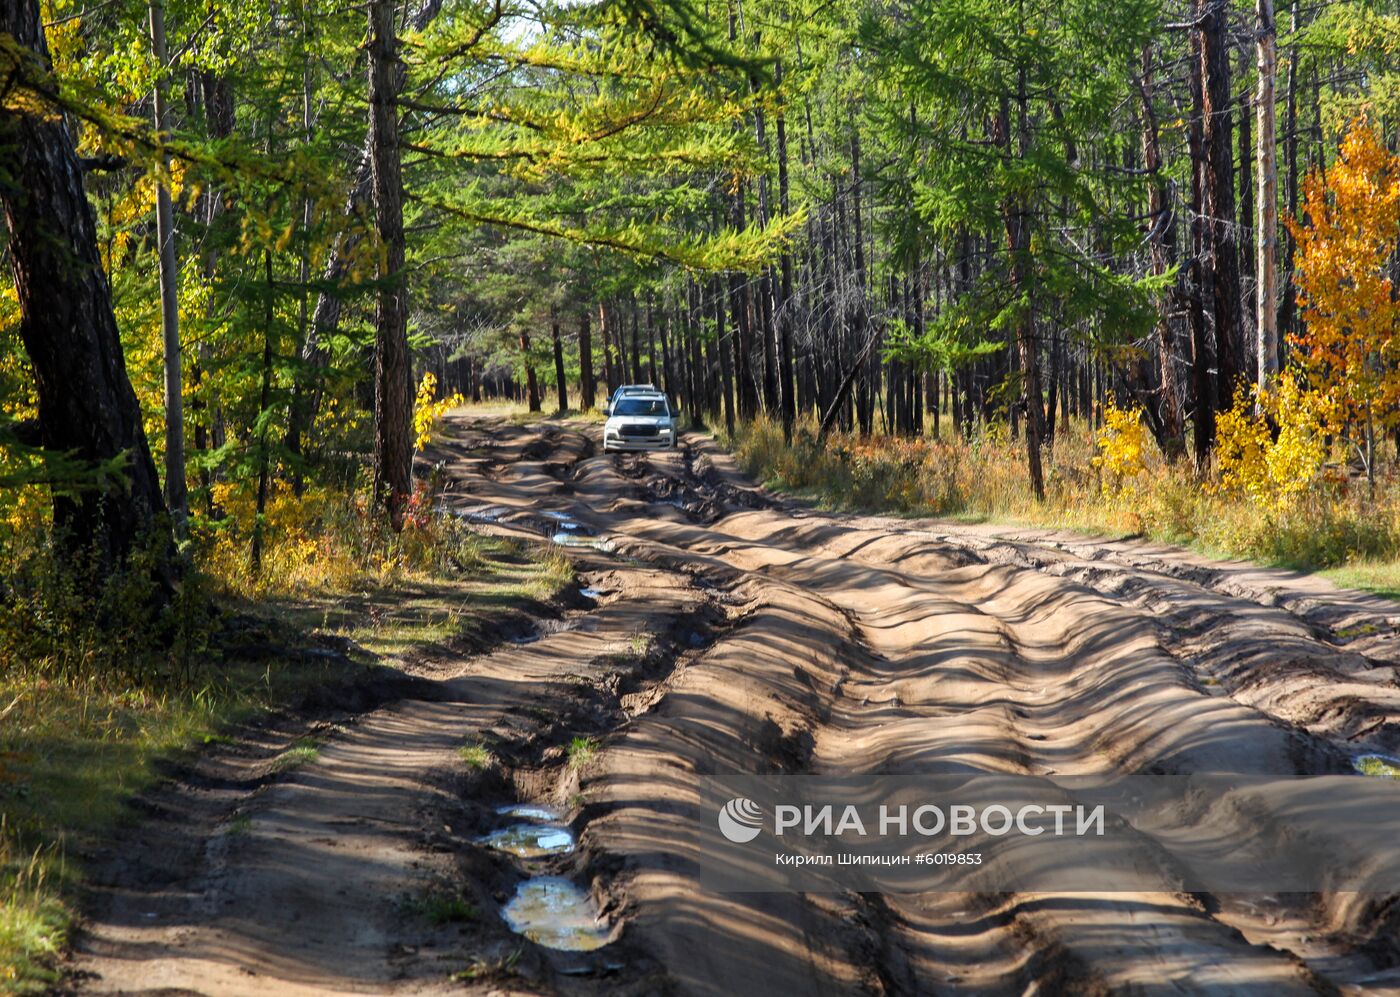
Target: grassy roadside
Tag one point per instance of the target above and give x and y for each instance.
(79, 737)
(1337, 528)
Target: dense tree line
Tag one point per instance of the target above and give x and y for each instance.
(258, 223)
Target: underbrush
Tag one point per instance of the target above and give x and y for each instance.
(1110, 481)
(100, 683)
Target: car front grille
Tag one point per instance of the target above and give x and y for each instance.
(638, 430)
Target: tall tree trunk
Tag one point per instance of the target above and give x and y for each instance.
(393, 376)
(1267, 234)
(86, 403)
(559, 364)
(325, 317)
(175, 497)
(1018, 247)
(786, 382)
(1220, 199)
(1162, 246)
(1202, 353)
(1290, 151)
(532, 383)
(587, 384)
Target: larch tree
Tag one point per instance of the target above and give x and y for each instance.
(86, 406)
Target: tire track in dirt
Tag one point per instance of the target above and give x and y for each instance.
(787, 641)
(1191, 939)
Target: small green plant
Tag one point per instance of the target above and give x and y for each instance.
(1378, 765)
(581, 751)
(475, 755)
(439, 907)
(481, 969)
(308, 749)
(241, 824)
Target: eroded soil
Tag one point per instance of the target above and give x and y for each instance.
(723, 629)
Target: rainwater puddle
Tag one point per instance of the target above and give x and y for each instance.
(531, 841)
(529, 811)
(553, 912)
(591, 593)
(568, 539)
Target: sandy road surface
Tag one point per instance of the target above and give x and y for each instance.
(731, 631)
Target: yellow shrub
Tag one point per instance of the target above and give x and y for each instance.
(1273, 471)
(427, 412)
(1120, 448)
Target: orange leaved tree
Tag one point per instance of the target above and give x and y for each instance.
(1350, 349)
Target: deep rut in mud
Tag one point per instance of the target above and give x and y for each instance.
(724, 629)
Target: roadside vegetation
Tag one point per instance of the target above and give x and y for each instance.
(1112, 481)
(101, 687)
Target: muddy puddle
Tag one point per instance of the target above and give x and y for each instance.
(553, 912)
(1377, 765)
(568, 538)
(540, 833)
(591, 593)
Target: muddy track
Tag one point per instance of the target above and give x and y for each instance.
(731, 630)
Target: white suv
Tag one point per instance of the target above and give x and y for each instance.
(640, 422)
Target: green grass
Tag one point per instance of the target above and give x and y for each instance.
(482, 969)
(75, 748)
(241, 824)
(439, 907)
(474, 755)
(582, 751)
(308, 749)
(1374, 765)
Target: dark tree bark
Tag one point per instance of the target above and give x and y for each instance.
(393, 376)
(87, 407)
(559, 365)
(1018, 247)
(786, 385)
(1162, 246)
(1202, 352)
(587, 388)
(532, 383)
(1217, 108)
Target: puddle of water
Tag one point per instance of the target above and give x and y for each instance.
(1379, 765)
(567, 539)
(478, 514)
(553, 912)
(591, 593)
(529, 811)
(531, 841)
(529, 638)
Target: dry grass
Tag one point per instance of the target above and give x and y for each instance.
(82, 731)
(1337, 525)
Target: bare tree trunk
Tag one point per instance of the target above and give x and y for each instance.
(1162, 245)
(87, 407)
(559, 364)
(786, 385)
(175, 495)
(393, 377)
(1220, 198)
(1018, 247)
(587, 382)
(1202, 354)
(532, 383)
(1267, 235)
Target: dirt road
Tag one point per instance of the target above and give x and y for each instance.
(723, 629)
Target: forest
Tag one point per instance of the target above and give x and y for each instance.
(1128, 268)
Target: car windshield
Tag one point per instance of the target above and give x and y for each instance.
(641, 406)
